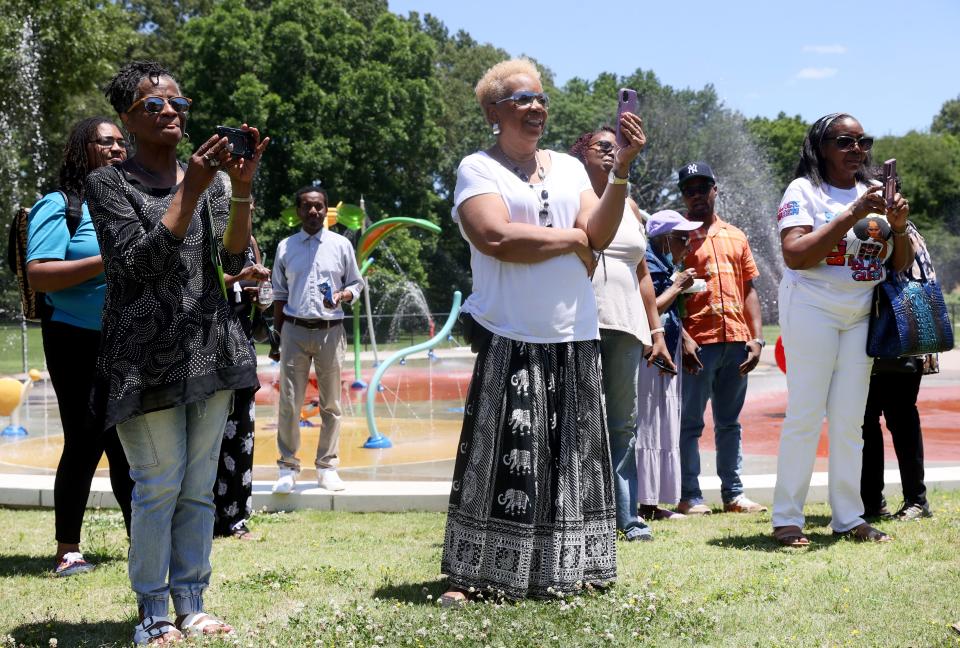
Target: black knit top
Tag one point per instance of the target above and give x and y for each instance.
(169, 337)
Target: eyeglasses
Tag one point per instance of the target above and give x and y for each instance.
(154, 105)
(109, 141)
(683, 238)
(690, 191)
(602, 146)
(846, 142)
(526, 98)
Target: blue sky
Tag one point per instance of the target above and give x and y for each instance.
(891, 64)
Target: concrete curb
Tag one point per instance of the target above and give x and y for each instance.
(396, 496)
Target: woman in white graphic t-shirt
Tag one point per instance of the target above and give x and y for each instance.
(838, 237)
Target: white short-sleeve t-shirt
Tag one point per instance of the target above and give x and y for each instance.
(546, 302)
(856, 264)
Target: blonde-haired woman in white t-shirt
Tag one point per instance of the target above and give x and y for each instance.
(532, 506)
(837, 235)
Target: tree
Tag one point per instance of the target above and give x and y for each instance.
(61, 54)
(780, 139)
(948, 119)
(348, 100)
(929, 168)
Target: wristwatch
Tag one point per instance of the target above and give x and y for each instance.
(615, 180)
(759, 341)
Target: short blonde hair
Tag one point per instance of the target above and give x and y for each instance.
(492, 86)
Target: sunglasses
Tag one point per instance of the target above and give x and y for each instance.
(154, 105)
(846, 142)
(602, 146)
(696, 190)
(109, 141)
(526, 98)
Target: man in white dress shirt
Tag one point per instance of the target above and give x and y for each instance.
(314, 271)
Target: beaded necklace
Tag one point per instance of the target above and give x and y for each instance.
(542, 194)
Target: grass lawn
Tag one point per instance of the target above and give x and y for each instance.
(341, 579)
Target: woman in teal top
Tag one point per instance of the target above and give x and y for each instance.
(63, 261)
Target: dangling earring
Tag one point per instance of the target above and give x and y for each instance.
(132, 139)
(496, 128)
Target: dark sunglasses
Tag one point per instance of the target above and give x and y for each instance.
(690, 191)
(154, 105)
(526, 98)
(109, 141)
(603, 146)
(846, 142)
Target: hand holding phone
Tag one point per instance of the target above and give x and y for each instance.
(240, 140)
(661, 364)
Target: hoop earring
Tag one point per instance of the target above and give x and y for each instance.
(186, 136)
(495, 128)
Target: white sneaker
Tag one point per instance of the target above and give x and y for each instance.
(286, 481)
(329, 479)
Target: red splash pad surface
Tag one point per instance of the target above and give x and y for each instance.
(412, 383)
(762, 418)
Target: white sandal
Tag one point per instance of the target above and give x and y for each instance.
(153, 628)
(196, 624)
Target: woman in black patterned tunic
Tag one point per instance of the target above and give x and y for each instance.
(172, 350)
(233, 492)
(532, 509)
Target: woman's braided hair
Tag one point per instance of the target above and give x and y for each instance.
(812, 165)
(121, 91)
(76, 162)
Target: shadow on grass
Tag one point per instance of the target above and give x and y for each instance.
(21, 565)
(88, 633)
(415, 593)
(820, 539)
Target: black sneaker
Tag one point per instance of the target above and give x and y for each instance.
(910, 512)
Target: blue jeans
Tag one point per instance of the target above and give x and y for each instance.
(173, 455)
(721, 383)
(621, 354)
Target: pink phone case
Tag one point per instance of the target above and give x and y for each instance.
(889, 181)
(627, 102)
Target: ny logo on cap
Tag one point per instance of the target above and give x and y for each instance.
(691, 168)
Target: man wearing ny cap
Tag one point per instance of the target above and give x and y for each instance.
(314, 272)
(724, 342)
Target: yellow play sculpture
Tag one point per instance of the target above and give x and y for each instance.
(12, 395)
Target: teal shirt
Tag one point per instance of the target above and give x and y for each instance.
(49, 238)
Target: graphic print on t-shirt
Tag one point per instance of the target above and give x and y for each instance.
(865, 248)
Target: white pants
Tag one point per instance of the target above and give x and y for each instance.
(828, 370)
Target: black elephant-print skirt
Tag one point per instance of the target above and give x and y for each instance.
(532, 509)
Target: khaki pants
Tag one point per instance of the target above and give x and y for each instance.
(298, 346)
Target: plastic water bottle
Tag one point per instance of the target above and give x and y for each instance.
(265, 294)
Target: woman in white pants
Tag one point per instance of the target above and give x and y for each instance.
(836, 233)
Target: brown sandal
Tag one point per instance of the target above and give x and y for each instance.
(791, 536)
(864, 533)
(454, 598)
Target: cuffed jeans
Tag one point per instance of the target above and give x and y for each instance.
(298, 347)
(719, 382)
(173, 455)
(828, 371)
(621, 354)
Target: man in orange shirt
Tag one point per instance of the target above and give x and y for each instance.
(723, 343)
